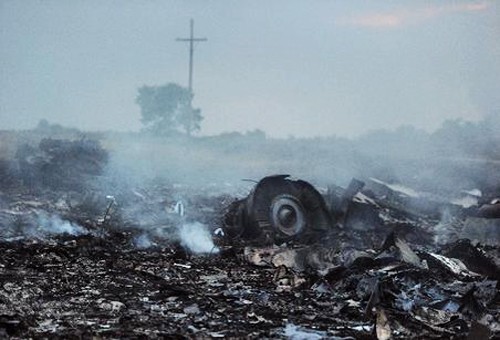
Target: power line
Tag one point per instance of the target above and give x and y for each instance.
(191, 41)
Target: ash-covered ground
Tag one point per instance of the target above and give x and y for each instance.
(84, 258)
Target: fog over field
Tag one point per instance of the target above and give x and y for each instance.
(404, 91)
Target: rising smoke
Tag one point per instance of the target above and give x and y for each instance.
(48, 224)
(149, 174)
(197, 238)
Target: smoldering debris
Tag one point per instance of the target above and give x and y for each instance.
(286, 260)
(280, 209)
(196, 238)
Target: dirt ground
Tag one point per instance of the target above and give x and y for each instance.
(76, 262)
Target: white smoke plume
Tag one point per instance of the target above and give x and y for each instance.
(143, 241)
(196, 237)
(443, 232)
(48, 224)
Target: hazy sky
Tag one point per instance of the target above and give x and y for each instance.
(301, 68)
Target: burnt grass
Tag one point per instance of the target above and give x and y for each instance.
(101, 285)
(86, 287)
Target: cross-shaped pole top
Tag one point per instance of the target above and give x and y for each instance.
(191, 41)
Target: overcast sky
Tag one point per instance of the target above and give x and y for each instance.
(301, 68)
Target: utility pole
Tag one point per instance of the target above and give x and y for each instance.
(191, 41)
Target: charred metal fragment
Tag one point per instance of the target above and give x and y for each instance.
(409, 201)
(483, 230)
(491, 210)
(339, 202)
(279, 209)
(475, 259)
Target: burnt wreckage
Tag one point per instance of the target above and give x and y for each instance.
(330, 236)
(279, 210)
(373, 260)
